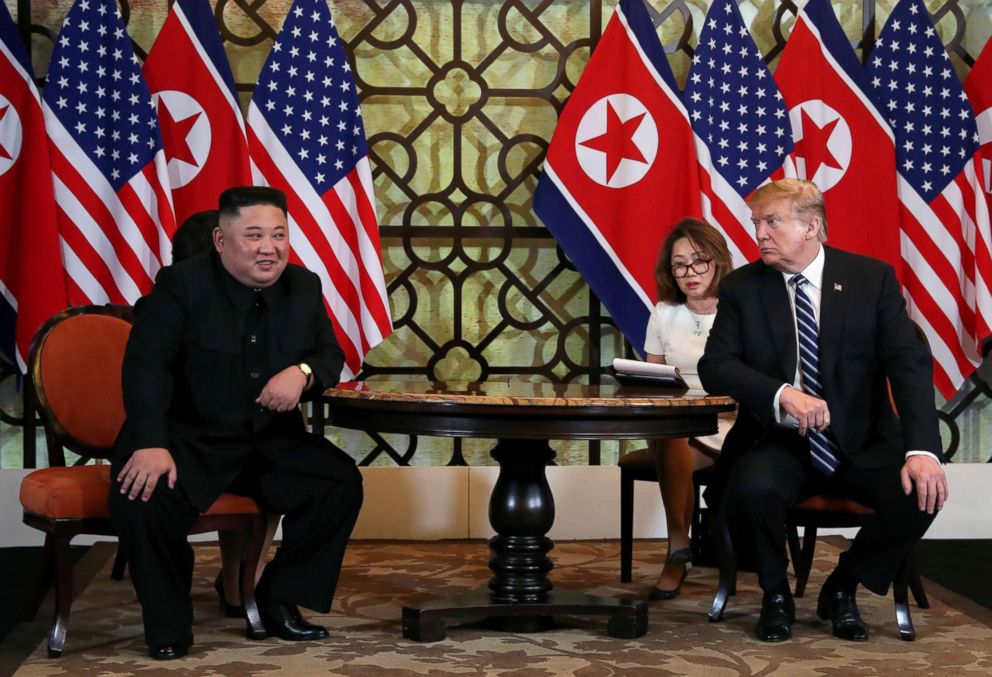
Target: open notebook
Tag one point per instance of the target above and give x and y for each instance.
(635, 372)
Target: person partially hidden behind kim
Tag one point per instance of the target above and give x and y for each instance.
(221, 352)
(808, 340)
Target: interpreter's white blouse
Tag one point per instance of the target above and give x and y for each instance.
(679, 335)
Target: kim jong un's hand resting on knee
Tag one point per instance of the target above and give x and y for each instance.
(142, 471)
(283, 390)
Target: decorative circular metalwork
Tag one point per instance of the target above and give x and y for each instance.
(459, 101)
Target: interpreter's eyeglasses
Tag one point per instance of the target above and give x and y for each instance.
(699, 266)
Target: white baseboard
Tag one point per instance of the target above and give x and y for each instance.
(442, 503)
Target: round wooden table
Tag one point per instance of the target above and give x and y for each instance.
(523, 417)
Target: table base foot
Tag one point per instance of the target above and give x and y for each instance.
(423, 629)
(627, 626)
(427, 622)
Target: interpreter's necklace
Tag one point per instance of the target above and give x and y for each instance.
(698, 317)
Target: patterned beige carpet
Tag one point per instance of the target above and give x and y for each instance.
(955, 637)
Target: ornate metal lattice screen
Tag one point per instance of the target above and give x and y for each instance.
(460, 98)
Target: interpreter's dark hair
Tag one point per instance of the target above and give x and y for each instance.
(195, 235)
(233, 199)
(708, 241)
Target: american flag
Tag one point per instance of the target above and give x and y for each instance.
(740, 120)
(199, 115)
(115, 212)
(32, 284)
(306, 137)
(945, 220)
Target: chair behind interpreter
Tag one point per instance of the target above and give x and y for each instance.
(640, 465)
(75, 364)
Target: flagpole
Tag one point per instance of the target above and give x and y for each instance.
(24, 26)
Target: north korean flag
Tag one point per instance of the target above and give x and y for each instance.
(621, 169)
(32, 281)
(843, 144)
(978, 87)
(203, 131)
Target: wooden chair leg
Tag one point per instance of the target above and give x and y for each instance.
(120, 565)
(63, 594)
(805, 562)
(728, 572)
(696, 534)
(33, 602)
(703, 554)
(626, 526)
(249, 566)
(916, 583)
(900, 593)
(795, 552)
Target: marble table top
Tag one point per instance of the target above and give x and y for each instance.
(518, 392)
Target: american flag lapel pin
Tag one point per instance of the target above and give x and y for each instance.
(838, 286)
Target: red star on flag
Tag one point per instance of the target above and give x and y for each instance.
(814, 145)
(180, 150)
(617, 142)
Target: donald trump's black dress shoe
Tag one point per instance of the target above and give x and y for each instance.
(778, 613)
(840, 608)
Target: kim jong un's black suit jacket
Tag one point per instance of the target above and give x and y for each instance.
(198, 356)
(866, 337)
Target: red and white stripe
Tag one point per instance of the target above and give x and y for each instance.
(725, 209)
(336, 236)
(113, 243)
(947, 248)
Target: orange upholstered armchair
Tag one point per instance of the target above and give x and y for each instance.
(75, 364)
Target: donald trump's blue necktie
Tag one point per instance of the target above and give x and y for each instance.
(823, 451)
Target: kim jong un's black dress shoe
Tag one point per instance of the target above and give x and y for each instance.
(167, 652)
(840, 608)
(285, 621)
(778, 613)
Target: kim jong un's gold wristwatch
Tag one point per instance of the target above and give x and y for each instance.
(307, 371)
